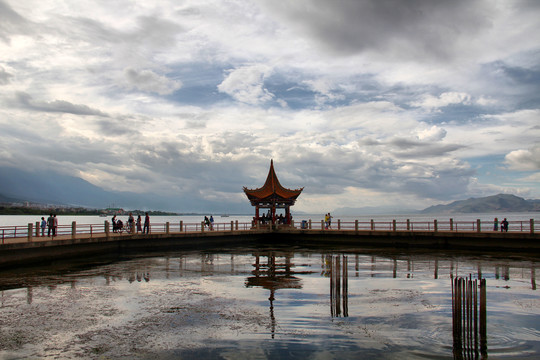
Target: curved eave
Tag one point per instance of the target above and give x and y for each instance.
(264, 193)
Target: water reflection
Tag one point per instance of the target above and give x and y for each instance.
(336, 268)
(273, 274)
(469, 318)
(332, 301)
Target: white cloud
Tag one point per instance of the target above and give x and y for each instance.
(433, 103)
(525, 160)
(147, 80)
(434, 133)
(246, 84)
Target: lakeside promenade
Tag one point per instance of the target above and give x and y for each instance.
(84, 240)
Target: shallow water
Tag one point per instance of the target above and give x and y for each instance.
(269, 304)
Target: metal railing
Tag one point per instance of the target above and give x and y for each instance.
(32, 231)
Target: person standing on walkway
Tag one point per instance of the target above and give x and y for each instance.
(211, 222)
(504, 225)
(146, 224)
(326, 221)
(139, 224)
(329, 221)
(131, 224)
(55, 225)
(43, 226)
(50, 225)
(496, 224)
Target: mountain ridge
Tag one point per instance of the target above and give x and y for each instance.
(493, 203)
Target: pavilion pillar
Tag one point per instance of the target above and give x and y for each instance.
(257, 214)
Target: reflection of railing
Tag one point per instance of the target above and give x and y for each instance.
(469, 318)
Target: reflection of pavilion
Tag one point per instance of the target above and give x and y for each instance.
(469, 318)
(274, 275)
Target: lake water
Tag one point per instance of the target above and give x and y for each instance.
(273, 303)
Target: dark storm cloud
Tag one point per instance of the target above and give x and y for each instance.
(26, 101)
(408, 29)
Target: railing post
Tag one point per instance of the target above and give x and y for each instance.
(322, 224)
(181, 225)
(167, 228)
(372, 225)
(202, 226)
(435, 225)
(355, 225)
(73, 229)
(236, 224)
(478, 228)
(106, 228)
(232, 225)
(451, 224)
(309, 224)
(339, 224)
(394, 225)
(531, 221)
(30, 230)
(37, 228)
(408, 224)
(292, 223)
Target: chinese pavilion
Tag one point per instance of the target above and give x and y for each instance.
(272, 195)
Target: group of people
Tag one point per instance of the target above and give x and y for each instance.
(132, 224)
(504, 225)
(209, 222)
(51, 223)
(327, 221)
(267, 219)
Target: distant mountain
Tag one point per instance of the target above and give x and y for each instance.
(495, 203)
(49, 187)
(52, 188)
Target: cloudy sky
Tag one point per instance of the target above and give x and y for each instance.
(363, 103)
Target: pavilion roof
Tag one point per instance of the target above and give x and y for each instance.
(272, 189)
